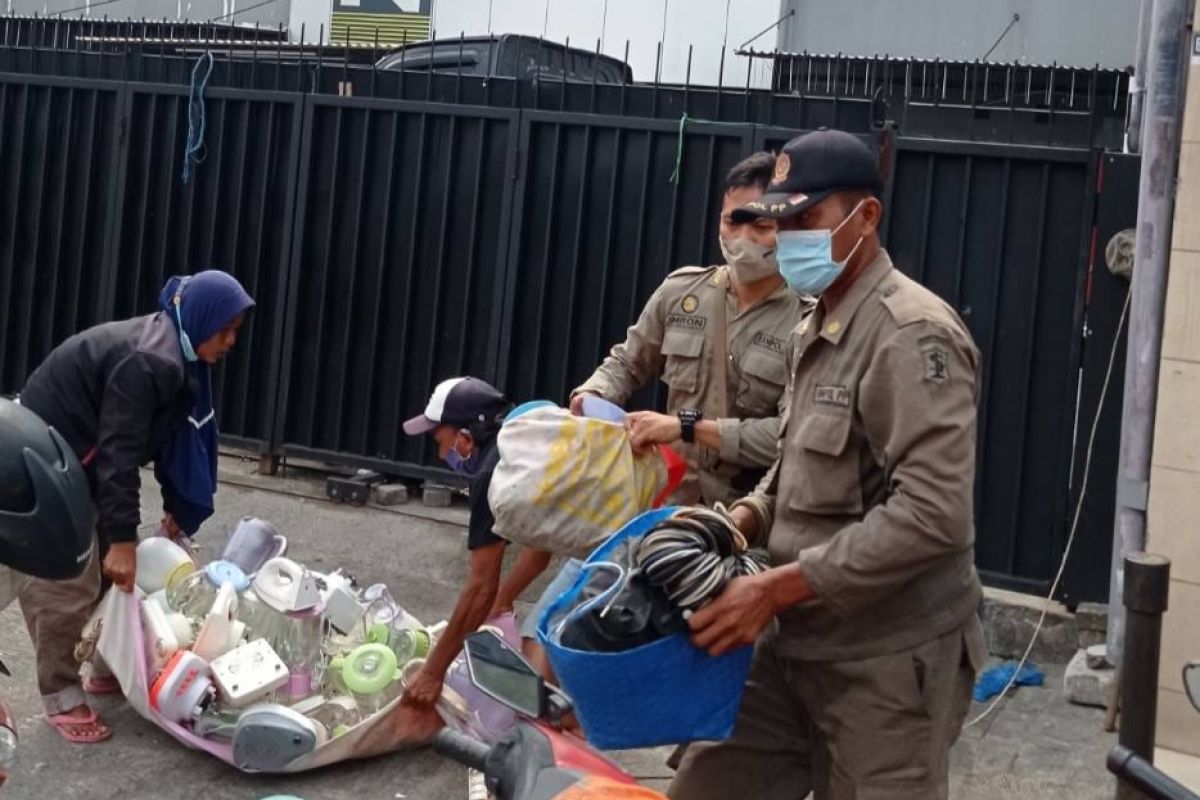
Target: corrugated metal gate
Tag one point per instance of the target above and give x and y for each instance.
(391, 243)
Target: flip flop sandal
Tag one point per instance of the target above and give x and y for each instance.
(64, 722)
(99, 686)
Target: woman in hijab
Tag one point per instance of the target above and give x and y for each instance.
(124, 394)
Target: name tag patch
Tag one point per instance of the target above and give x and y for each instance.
(832, 396)
(687, 321)
(769, 342)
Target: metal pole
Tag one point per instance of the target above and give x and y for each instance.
(1170, 47)
(1147, 583)
(1137, 84)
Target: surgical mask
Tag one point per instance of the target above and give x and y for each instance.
(749, 260)
(456, 462)
(806, 258)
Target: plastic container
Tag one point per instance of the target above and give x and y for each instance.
(253, 543)
(369, 674)
(194, 596)
(492, 718)
(665, 692)
(161, 564)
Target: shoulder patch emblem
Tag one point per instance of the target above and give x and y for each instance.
(690, 304)
(937, 359)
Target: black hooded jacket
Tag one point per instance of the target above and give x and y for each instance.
(116, 393)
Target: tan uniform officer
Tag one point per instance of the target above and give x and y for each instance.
(863, 685)
(720, 336)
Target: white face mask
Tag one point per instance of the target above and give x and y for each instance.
(749, 260)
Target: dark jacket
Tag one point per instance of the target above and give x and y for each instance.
(116, 392)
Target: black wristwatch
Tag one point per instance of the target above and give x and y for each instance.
(688, 417)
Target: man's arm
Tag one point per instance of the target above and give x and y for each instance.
(470, 612)
(632, 363)
(530, 564)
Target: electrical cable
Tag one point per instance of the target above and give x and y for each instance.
(693, 554)
(1083, 484)
(193, 151)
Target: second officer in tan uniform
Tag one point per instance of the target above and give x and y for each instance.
(720, 336)
(862, 686)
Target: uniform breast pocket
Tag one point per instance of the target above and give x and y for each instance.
(682, 351)
(828, 479)
(763, 380)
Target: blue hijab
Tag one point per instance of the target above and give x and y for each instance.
(186, 465)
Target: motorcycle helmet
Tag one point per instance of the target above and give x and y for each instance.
(45, 506)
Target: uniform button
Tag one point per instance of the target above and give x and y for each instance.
(833, 327)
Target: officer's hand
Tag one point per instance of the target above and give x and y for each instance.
(423, 689)
(648, 428)
(746, 522)
(577, 402)
(736, 617)
(120, 565)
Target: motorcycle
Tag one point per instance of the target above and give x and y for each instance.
(1144, 776)
(534, 760)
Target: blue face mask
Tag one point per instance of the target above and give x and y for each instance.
(806, 258)
(463, 466)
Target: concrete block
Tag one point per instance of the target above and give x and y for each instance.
(1097, 657)
(1009, 622)
(1085, 686)
(1090, 639)
(391, 494)
(1092, 617)
(436, 496)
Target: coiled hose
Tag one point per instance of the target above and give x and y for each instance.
(694, 553)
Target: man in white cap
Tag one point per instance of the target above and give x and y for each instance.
(464, 417)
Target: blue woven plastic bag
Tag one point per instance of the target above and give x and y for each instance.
(665, 692)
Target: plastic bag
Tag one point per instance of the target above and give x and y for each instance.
(121, 646)
(564, 483)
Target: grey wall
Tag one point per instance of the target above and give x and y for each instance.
(1069, 32)
(269, 15)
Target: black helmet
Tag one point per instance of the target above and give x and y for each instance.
(45, 505)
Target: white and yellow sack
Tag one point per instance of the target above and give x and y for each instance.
(565, 483)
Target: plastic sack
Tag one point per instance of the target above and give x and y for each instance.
(121, 646)
(995, 679)
(564, 483)
(665, 692)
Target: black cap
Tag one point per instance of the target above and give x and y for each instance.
(809, 169)
(459, 401)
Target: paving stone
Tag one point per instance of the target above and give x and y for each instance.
(1086, 686)
(436, 496)
(391, 494)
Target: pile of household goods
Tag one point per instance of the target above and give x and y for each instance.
(263, 662)
(618, 639)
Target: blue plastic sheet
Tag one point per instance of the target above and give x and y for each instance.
(993, 679)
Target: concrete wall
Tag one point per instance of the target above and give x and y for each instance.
(700, 23)
(1070, 32)
(270, 15)
(1174, 513)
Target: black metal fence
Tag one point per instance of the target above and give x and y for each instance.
(393, 242)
